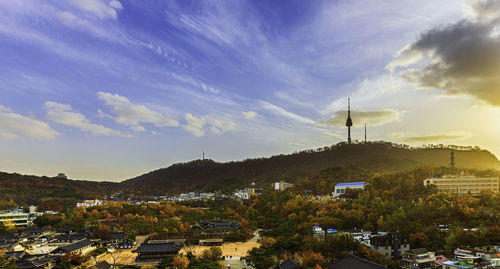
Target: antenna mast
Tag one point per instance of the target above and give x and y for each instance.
(452, 162)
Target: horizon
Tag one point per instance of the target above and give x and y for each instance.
(114, 89)
(355, 142)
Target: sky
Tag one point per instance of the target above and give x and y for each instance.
(111, 89)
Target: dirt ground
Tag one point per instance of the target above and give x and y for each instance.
(238, 249)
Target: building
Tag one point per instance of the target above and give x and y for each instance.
(439, 261)
(340, 188)
(89, 203)
(353, 261)
(118, 240)
(17, 217)
(246, 193)
(288, 264)
(70, 238)
(282, 185)
(390, 244)
(155, 251)
(81, 247)
(418, 258)
(61, 175)
(462, 184)
(318, 231)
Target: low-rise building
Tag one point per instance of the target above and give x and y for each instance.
(390, 244)
(462, 184)
(341, 188)
(418, 258)
(89, 203)
(81, 247)
(16, 217)
(155, 251)
(282, 185)
(353, 261)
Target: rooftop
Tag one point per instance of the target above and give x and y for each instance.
(351, 184)
(353, 261)
(76, 246)
(161, 247)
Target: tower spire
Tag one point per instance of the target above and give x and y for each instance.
(348, 122)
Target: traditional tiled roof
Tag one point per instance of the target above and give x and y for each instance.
(352, 261)
(76, 246)
(71, 237)
(34, 263)
(118, 235)
(160, 247)
(288, 264)
(15, 254)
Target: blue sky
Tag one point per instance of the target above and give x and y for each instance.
(110, 89)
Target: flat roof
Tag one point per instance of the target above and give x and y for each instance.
(351, 183)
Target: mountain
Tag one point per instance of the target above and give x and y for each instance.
(377, 156)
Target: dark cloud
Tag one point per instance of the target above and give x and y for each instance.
(359, 118)
(461, 58)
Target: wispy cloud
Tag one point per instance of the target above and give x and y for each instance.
(12, 125)
(65, 115)
(103, 9)
(283, 112)
(134, 115)
(430, 138)
(361, 117)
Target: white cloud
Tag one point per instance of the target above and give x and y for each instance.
(214, 124)
(283, 112)
(249, 114)
(6, 135)
(12, 124)
(65, 115)
(132, 114)
(100, 8)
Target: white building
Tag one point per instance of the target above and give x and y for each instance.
(89, 203)
(341, 187)
(17, 217)
(282, 185)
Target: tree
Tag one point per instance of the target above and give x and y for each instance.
(213, 253)
(180, 262)
(116, 256)
(268, 242)
(418, 240)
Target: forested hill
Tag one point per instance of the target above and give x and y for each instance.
(49, 193)
(376, 156)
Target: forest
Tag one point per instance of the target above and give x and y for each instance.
(392, 202)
